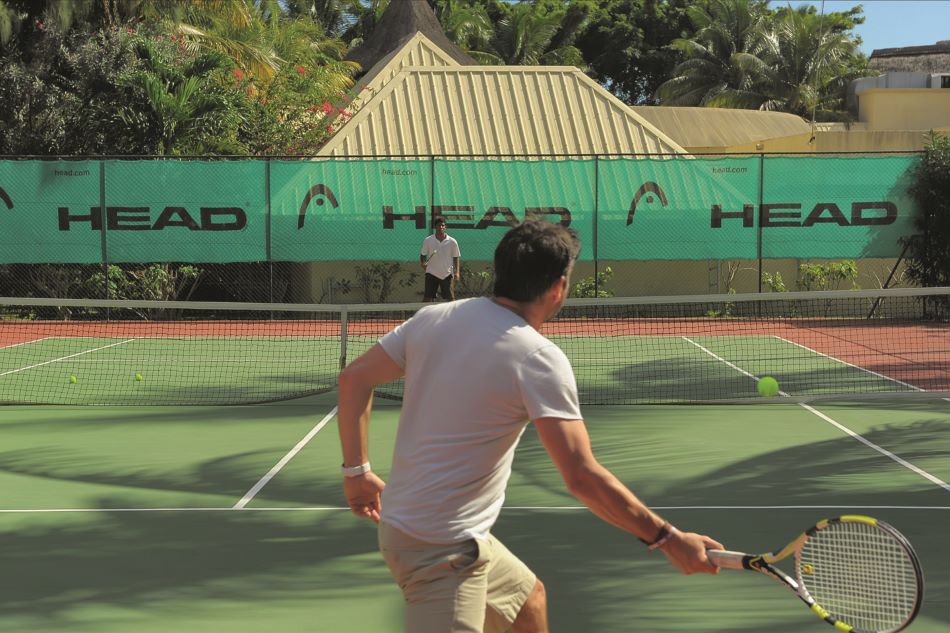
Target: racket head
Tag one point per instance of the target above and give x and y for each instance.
(860, 572)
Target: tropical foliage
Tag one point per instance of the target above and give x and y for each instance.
(268, 77)
(744, 55)
(165, 77)
(929, 250)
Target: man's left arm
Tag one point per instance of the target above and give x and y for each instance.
(355, 404)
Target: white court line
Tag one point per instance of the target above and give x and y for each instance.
(844, 362)
(839, 426)
(519, 508)
(882, 451)
(721, 359)
(36, 340)
(240, 505)
(56, 360)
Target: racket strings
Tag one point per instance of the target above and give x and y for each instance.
(861, 574)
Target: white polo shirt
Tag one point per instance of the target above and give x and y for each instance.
(441, 263)
(475, 374)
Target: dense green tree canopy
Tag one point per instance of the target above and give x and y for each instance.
(267, 76)
(744, 55)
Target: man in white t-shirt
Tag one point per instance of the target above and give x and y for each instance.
(440, 258)
(464, 410)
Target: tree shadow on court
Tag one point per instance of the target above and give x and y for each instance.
(54, 419)
(145, 561)
(575, 552)
(228, 478)
(702, 379)
(598, 577)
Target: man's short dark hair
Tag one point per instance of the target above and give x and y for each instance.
(531, 257)
(437, 220)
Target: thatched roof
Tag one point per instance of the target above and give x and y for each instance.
(400, 21)
(933, 58)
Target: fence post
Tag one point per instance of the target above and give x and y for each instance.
(759, 216)
(102, 230)
(595, 222)
(267, 233)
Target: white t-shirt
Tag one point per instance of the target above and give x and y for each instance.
(441, 264)
(476, 374)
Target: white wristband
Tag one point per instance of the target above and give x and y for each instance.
(355, 471)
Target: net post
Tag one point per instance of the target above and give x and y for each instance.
(877, 302)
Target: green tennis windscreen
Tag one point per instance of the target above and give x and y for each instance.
(847, 344)
(671, 208)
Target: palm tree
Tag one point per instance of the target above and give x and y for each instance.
(186, 110)
(722, 66)
(10, 21)
(807, 58)
(528, 36)
(465, 24)
(365, 15)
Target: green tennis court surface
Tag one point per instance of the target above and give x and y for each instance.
(119, 519)
(208, 370)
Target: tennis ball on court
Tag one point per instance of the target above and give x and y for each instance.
(72, 379)
(138, 377)
(767, 386)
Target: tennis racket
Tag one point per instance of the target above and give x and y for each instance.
(856, 573)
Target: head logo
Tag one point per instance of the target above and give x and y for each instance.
(6, 198)
(644, 190)
(325, 193)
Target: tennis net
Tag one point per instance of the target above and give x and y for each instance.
(847, 344)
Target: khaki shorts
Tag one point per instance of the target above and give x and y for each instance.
(470, 587)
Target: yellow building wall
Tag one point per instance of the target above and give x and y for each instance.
(842, 140)
(339, 282)
(796, 144)
(904, 108)
(871, 141)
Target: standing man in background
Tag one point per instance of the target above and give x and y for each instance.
(440, 259)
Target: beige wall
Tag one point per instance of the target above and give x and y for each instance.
(871, 141)
(323, 282)
(904, 108)
(837, 140)
(663, 278)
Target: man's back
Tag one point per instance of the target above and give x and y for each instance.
(476, 372)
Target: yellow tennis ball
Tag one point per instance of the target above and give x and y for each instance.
(138, 377)
(72, 379)
(767, 386)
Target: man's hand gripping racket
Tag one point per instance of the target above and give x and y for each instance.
(857, 573)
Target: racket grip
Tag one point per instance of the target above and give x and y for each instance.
(726, 559)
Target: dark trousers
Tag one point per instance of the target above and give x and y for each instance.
(446, 287)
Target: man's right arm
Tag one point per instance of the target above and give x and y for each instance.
(568, 444)
(354, 405)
